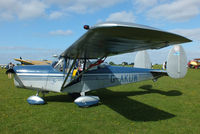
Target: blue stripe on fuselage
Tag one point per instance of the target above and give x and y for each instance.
(118, 69)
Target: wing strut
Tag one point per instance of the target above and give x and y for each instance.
(68, 73)
(96, 63)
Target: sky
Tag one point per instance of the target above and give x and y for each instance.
(39, 29)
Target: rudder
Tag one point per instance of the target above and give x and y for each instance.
(177, 62)
(142, 60)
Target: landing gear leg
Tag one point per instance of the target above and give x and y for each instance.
(154, 80)
(82, 93)
(44, 92)
(38, 91)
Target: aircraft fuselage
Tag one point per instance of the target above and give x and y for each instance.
(47, 78)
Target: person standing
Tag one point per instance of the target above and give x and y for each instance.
(10, 66)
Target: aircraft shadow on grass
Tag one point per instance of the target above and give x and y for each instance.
(129, 108)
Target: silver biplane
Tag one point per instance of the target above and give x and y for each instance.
(77, 72)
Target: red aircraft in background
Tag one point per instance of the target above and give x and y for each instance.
(195, 63)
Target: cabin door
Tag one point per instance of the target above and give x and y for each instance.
(56, 76)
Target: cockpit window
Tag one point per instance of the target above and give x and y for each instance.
(54, 63)
(59, 65)
(103, 65)
(64, 65)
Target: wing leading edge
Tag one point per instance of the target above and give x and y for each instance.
(111, 38)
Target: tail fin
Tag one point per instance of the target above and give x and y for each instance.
(142, 60)
(177, 62)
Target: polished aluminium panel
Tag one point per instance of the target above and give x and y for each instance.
(111, 38)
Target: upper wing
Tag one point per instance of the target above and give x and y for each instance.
(111, 38)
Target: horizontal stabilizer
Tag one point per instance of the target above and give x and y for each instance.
(158, 73)
(177, 62)
(142, 60)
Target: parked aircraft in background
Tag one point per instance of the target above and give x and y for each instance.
(3, 66)
(33, 62)
(76, 73)
(195, 63)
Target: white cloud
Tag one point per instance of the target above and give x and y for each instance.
(55, 15)
(26, 9)
(83, 6)
(61, 32)
(141, 5)
(21, 9)
(121, 16)
(178, 10)
(58, 2)
(6, 16)
(31, 10)
(193, 34)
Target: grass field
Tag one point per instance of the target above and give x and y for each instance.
(169, 106)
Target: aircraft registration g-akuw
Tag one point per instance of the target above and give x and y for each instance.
(76, 73)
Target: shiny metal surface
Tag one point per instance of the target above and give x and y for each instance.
(111, 38)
